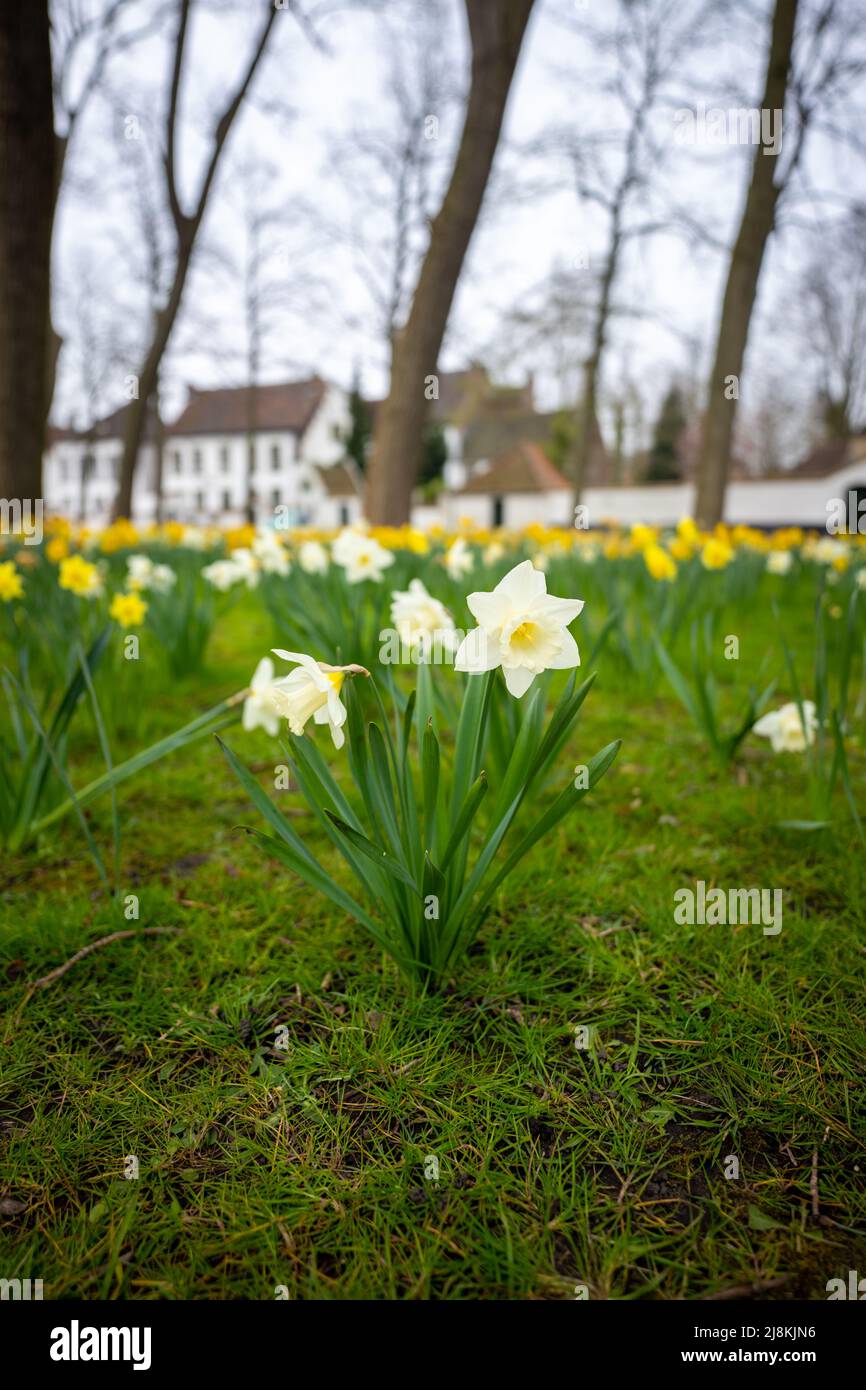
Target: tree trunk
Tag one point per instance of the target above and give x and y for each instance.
(186, 230)
(158, 458)
(742, 286)
(26, 202)
(496, 30)
(135, 414)
(252, 427)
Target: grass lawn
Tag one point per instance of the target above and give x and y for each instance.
(304, 1166)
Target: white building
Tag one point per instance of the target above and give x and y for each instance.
(294, 465)
(81, 471)
(517, 489)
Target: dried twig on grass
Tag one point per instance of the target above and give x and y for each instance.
(95, 945)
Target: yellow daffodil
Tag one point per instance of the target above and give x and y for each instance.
(716, 554)
(128, 609)
(688, 531)
(120, 535)
(57, 549)
(11, 585)
(659, 563)
(80, 577)
(643, 536)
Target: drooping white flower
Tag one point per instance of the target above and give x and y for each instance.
(312, 690)
(522, 628)
(861, 578)
(419, 617)
(787, 732)
(313, 558)
(459, 559)
(260, 708)
(360, 556)
(779, 562)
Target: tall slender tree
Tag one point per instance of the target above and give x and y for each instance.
(186, 225)
(496, 31)
(26, 209)
(765, 187)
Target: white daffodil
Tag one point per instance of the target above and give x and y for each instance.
(861, 578)
(779, 562)
(787, 732)
(222, 574)
(260, 708)
(248, 566)
(313, 558)
(360, 556)
(142, 573)
(312, 690)
(270, 554)
(522, 628)
(459, 559)
(828, 550)
(419, 617)
(493, 553)
(195, 538)
(346, 543)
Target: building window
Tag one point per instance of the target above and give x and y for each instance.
(498, 511)
(251, 456)
(115, 467)
(275, 456)
(196, 460)
(175, 459)
(224, 458)
(344, 514)
(199, 501)
(305, 485)
(275, 497)
(227, 501)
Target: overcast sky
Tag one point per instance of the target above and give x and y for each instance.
(318, 107)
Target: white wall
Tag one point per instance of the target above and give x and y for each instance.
(775, 502)
(764, 502)
(519, 508)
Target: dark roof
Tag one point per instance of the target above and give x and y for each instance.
(494, 434)
(341, 480)
(110, 427)
(288, 405)
(490, 435)
(466, 394)
(525, 468)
